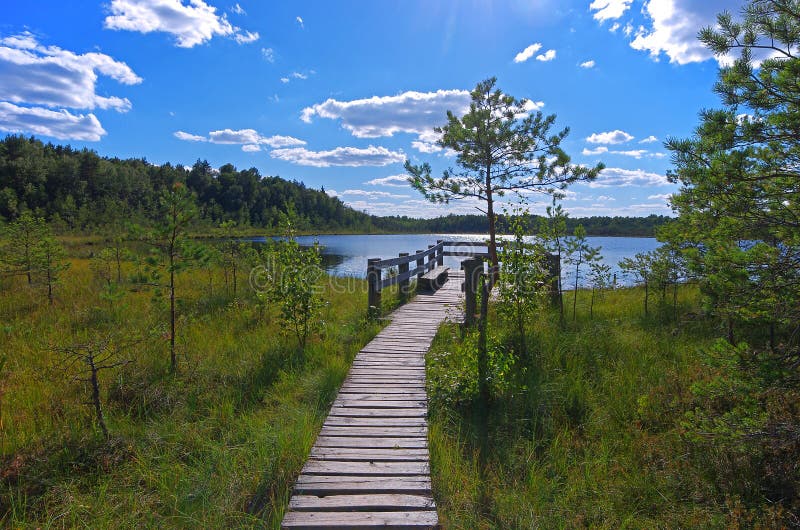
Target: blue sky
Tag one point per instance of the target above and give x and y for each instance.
(339, 94)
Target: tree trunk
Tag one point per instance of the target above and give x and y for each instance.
(575, 293)
(98, 407)
(172, 358)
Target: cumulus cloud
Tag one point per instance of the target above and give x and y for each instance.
(238, 10)
(191, 24)
(187, 137)
(587, 64)
(284, 80)
(244, 137)
(672, 27)
(39, 83)
(300, 21)
(659, 196)
(595, 151)
(58, 124)
(411, 112)
(47, 75)
(650, 139)
(394, 181)
(549, 55)
(527, 53)
(269, 54)
(340, 156)
(371, 194)
(617, 177)
(609, 9)
(610, 137)
(251, 148)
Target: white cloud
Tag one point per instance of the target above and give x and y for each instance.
(47, 75)
(298, 75)
(660, 196)
(394, 181)
(410, 112)
(187, 137)
(246, 37)
(340, 156)
(614, 27)
(38, 83)
(549, 55)
(673, 26)
(527, 53)
(269, 54)
(238, 10)
(649, 140)
(251, 148)
(610, 137)
(191, 24)
(371, 194)
(635, 153)
(618, 177)
(587, 64)
(58, 124)
(284, 79)
(609, 9)
(300, 21)
(245, 137)
(596, 151)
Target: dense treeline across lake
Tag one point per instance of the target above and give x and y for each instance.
(80, 191)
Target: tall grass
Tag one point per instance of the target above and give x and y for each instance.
(218, 445)
(584, 428)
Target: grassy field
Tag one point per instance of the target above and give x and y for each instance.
(217, 445)
(587, 429)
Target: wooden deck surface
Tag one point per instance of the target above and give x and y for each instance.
(370, 465)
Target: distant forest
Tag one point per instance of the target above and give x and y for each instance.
(80, 191)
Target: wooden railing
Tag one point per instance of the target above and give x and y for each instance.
(422, 261)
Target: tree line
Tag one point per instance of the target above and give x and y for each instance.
(76, 190)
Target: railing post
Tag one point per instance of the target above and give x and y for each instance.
(403, 284)
(373, 287)
(431, 259)
(420, 263)
(554, 271)
(473, 268)
(440, 253)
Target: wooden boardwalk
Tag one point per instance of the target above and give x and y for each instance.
(370, 465)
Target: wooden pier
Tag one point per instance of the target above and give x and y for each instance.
(370, 465)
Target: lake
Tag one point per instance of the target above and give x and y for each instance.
(346, 255)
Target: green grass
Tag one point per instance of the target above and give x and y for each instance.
(584, 428)
(218, 445)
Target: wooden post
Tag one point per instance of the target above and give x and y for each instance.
(440, 253)
(420, 263)
(554, 270)
(373, 287)
(431, 259)
(403, 284)
(473, 268)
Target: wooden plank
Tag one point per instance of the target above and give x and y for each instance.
(372, 443)
(356, 412)
(335, 467)
(358, 520)
(375, 432)
(390, 502)
(385, 404)
(369, 454)
(348, 485)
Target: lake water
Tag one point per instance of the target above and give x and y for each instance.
(346, 255)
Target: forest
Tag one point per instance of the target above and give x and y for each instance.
(77, 191)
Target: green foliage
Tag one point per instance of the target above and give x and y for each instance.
(295, 286)
(522, 283)
(577, 253)
(20, 252)
(738, 206)
(501, 147)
